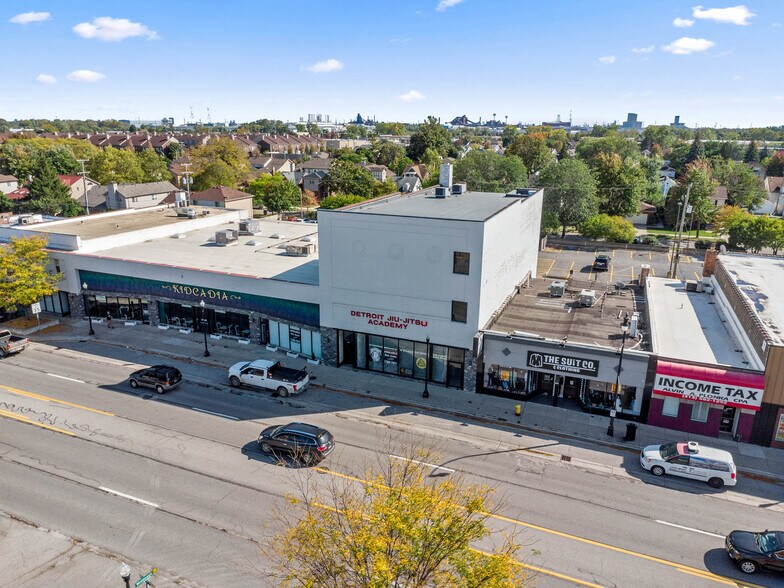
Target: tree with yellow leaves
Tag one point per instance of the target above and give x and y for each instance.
(23, 275)
(396, 528)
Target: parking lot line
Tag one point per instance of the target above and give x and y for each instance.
(697, 276)
(632, 274)
(650, 256)
(547, 273)
(653, 271)
(612, 268)
(631, 254)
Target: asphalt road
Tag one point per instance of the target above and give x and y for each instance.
(177, 481)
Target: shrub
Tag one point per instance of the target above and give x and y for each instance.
(612, 228)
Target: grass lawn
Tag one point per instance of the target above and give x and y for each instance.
(693, 234)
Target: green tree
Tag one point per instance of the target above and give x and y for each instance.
(621, 184)
(61, 158)
(384, 188)
(752, 153)
(650, 168)
(696, 151)
(612, 228)
(387, 153)
(225, 150)
(660, 135)
(775, 166)
(174, 150)
(274, 193)
(590, 149)
(154, 167)
(485, 171)
(744, 188)
(345, 177)
(218, 173)
(508, 135)
(569, 192)
(703, 186)
(115, 165)
(18, 158)
(340, 200)
(430, 135)
(532, 149)
(399, 527)
(756, 233)
(390, 128)
(48, 195)
(23, 267)
(6, 204)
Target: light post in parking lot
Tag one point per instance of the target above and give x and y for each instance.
(204, 327)
(86, 309)
(625, 329)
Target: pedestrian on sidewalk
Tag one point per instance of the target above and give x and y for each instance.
(109, 320)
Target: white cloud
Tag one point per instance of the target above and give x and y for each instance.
(738, 15)
(28, 17)
(85, 75)
(106, 28)
(411, 96)
(45, 79)
(324, 66)
(607, 59)
(683, 23)
(648, 49)
(688, 45)
(444, 4)
(778, 98)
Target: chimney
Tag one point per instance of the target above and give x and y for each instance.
(645, 270)
(111, 195)
(445, 175)
(709, 265)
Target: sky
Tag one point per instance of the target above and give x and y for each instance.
(717, 63)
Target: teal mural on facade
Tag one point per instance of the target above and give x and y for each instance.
(290, 310)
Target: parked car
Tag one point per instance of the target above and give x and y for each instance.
(10, 344)
(269, 375)
(161, 378)
(690, 460)
(755, 551)
(308, 444)
(601, 263)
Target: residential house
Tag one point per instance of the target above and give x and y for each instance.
(96, 199)
(719, 197)
(666, 183)
(667, 171)
(178, 167)
(77, 187)
(8, 184)
(248, 146)
(645, 216)
(410, 183)
(773, 203)
(223, 197)
(312, 181)
(380, 173)
(192, 141)
(120, 196)
(19, 194)
(417, 169)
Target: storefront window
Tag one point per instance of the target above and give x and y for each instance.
(506, 379)
(57, 303)
(390, 355)
(295, 339)
(361, 351)
(124, 309)
(376, 353)
(274, 333)
(406, 358)
(420, 361)
(670, 406)
(699, 412)
(438, 371)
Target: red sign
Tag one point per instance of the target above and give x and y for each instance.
(388, 320)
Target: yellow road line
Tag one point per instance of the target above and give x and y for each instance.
(544, 571)
(547, 273)
(698, 276)
(50, 399)
(27, 421)
(651, 558)
(726, 581)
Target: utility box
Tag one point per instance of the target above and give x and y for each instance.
(186, 212)
(226, 237)
(249, 227)
(557, 289)
(300, 249)
(587, 297)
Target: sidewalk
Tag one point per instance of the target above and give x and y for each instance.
(753, 460)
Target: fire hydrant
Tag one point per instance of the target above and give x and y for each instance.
(518, 409)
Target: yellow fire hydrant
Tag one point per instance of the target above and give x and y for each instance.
(518, 409)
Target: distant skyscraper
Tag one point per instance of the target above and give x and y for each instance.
(677, 124)
(631, 123)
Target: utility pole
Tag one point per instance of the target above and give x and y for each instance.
(84, 187)
(680, 233)
(187, 175)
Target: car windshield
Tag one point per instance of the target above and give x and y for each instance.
(768, 542)
(669, 450)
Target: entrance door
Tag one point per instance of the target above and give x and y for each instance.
(727, 419)
(349, 349)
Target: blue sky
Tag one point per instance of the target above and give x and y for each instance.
(715, 63)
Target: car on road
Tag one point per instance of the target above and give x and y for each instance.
(601, 263)
(269, 375)
(161, 378)
(755, 551)
(691, 460)
(306, 443)
(10, 344)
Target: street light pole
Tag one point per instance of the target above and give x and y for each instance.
(86, 309)
(625, 329)
(426, 394)
(204, 327)
(84, 186)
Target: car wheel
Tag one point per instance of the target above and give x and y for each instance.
(265, 447)
(283, 392)
(748, 567)
(160, 389)
(234, 381)
(716, 482)
(3, 353)
(657, 470)
(134, 384)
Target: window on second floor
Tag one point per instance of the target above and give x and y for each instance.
(461, 262)
(459, 311)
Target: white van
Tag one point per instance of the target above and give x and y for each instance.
(690, 460)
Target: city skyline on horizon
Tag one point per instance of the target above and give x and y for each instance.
(139, 62)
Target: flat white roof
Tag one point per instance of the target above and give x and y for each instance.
(256, 256)
(761, 279)
(686, 325)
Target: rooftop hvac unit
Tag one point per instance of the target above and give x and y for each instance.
(301, 249)
(226, 237)
(557, 289)
(460, 188)
(633, 324)
(693, 286)
(186, 212)
(587, 297)
(249, 227)
(442, 192)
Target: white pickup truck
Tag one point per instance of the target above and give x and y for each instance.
(269, 375)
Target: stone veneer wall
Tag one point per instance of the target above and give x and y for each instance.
(329, 346)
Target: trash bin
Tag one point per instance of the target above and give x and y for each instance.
(631, 432)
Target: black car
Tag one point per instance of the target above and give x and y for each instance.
(306, 443)
(161, 378)
(601, 263)
(755, 551)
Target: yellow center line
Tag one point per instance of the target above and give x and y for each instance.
(50, 399)
(681, 567)
(27, 421)
(544, 571)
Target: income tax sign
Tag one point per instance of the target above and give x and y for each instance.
(705, 391)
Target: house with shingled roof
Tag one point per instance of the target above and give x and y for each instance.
(224, 197)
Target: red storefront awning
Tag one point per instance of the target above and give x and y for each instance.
(709, 384)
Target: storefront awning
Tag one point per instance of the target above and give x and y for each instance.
(709, 384)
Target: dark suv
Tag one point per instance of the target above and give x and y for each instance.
(308, 444)
(160, 377)
(601, 263)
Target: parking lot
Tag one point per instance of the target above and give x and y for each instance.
(558, 263)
